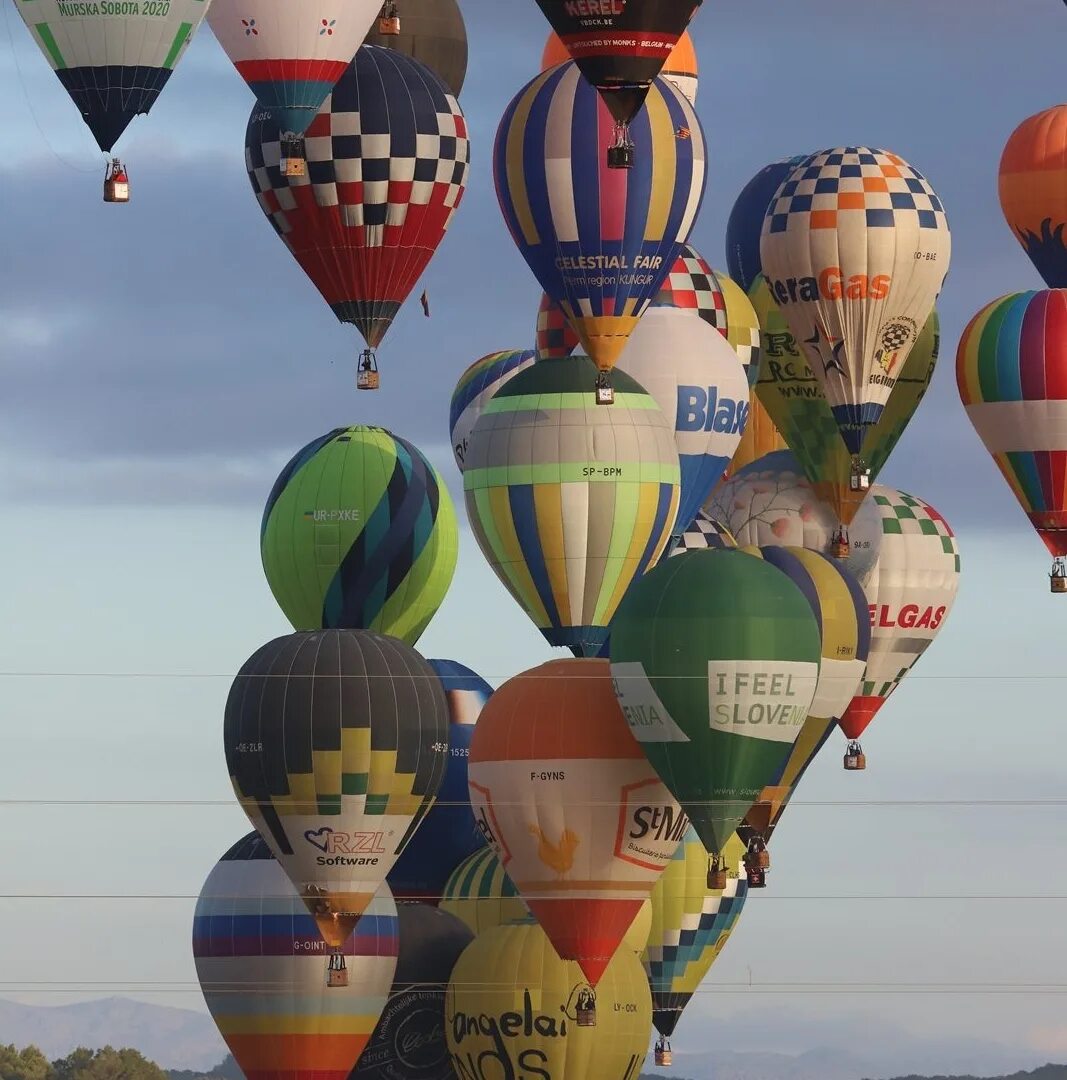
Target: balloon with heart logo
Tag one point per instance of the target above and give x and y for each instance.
(336, 743)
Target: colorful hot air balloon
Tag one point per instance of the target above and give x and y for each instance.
(620, 49)
(1033, 191)
(704, 532)
(515, 1009)
(409, 1041)
(291, 57)
(359, 532)
(910, 589)
(746, 220)
(448, 834)
(855, 247)
(772, 501)
(599, 242)
(1011, 369)
(761, 437)
(263, 970)
(570, 502)
(336, 742)
(796, 404)
(700, 386)
(432, 32)
(112, 59)
(475, 387)
(840, 606)
(554, 337)
(571, 806)
(680, 67)
(690, 927)
(481, 895)
(715, 660)
(366, 220)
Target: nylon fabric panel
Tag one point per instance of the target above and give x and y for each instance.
(388, 159)
(474, 389)
(855, 247)
(308, 720)
(481, 894)
(433, 33)
(262, 969)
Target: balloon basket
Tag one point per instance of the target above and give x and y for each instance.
(757, 878)
(389, 27)
(367, 377)
(620, 157)
(291, 156)
(605, 395)
(336, 972)
(855, 758)
(664, 1056)
(586, 1016)
(1057, 583)
(116, 183)
(717, 880)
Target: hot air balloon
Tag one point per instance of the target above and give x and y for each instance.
(840, 606)
(761, 437)
(691, 924)
(359, 532)
(855, 247)
(1011, 369)
(700, 386)
(448, 834)
(284, 1007)
(910, 590)
(113, 60)
(772, 501)
(291, 58)
(554, 338)
(620, 49)
(795, 402)
(680, 67)
(475, 387)
(430, 31)
(336, 742)
(715, 660)
(409, 1040)
(571, 806)
(570, 503)
(1033, 196)
(599, 242)
(481, 895)
(746, 220)
(366, 220)
(515, 1009)
(704, 532)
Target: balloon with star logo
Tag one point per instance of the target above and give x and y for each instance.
(855, 248)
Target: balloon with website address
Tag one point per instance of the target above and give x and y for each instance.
(359, 532)
(571, 502)
(573, 810)
(796, 404)
(855, 248)
(336, 744)
(599, 241)
(715, 662)
(1011, 370)
(283, 1002)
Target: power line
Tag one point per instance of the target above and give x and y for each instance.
(1015, 898)
(232, 802)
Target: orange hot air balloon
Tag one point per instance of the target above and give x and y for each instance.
(681, 67)
(761, 437)
(579, 819)
(1033, 191)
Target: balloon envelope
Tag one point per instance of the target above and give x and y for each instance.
(475, 388)
(481, 894)
(262, 969)
(432, 32)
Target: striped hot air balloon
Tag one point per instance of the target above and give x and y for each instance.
(263, 968)
(475, 388)
(568, 501)
(571, 806)
(480, 893)
(600, 241)
(1011, 369)
(360, 532)
(336, 743)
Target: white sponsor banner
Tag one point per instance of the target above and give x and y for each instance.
(761, 699)
(644, 712)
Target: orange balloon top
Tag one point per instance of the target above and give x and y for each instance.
(1033, 172)
(562, 709)
(682, 60)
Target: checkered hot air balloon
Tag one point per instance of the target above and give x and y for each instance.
(262, 968)
(336, 743)
(599, 241)
(855, 247)
(388, 159)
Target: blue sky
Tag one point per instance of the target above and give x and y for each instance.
(159, 362)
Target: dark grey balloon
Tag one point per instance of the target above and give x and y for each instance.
(431, 31)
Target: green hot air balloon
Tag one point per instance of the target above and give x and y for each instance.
(360, 533)
(715, 659)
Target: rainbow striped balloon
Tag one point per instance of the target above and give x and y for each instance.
(1011, 369)
(600, 241)
(262, 968)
